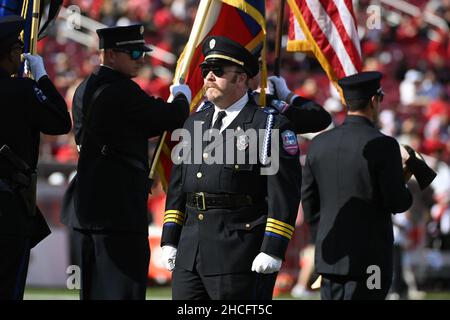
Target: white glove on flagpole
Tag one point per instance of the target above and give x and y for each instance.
(265, 263)
(271, 87)
(169, 254)
(181, 88)
(281, 89)
(35, 65)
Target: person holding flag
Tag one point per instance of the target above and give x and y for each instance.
(306, 115)
(227, 226)
(213, 18)
(29, 107)
(113, 120)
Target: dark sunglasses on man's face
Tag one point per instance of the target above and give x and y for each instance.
(218, 71)
(134, 54)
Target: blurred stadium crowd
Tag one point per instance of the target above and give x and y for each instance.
(413, 55)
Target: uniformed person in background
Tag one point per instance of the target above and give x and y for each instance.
(28, 108)
(114, 119)
(226, 226)
(306, 115)
(352, 182)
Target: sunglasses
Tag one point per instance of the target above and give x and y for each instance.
(134, 54)
(217, 70)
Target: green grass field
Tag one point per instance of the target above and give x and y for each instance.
(153, 293)
(161, 293)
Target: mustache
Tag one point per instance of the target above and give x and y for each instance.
(212, 85)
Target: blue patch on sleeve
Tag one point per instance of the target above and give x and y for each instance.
(290, 144)
(39, 94)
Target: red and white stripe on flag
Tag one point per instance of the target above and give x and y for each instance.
(327, 29)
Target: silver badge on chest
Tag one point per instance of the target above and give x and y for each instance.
(242, 142)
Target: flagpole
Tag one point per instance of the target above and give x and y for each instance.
(34, 26)
(23, 14)
(279, 35)
(197, 29)
(180, 74)
(24, 10)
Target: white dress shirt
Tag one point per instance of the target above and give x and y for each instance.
(232, 112)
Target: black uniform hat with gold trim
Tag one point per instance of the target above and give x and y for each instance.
(221, 50)
(363, 85)
(10, 28)
(124, 37)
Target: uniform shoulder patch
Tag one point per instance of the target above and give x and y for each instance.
(39, 94)
(290, 144)
(279, 105)
(205, 105)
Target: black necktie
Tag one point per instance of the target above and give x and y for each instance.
(218, 124)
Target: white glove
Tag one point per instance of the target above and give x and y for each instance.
(169, 254)
(176, 89)
(35, 65)
(270, 87)
(265, 263)
(282, 89)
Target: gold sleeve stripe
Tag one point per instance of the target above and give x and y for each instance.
(174, 211)
(173, 220)
(288, 231)
(171, 215)
(281, 233)
(280, 227)
(174, 217)
(281, 223)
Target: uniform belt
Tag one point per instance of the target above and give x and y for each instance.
(206, 201)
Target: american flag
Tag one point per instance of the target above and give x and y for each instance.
(328, 30)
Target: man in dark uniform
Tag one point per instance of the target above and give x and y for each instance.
(353, 181)
(227, 225)
(28, 108)
(114, 119)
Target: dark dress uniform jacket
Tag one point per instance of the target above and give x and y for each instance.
(28, 108)
(228, 239)
(111, 194)
(352, 183)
